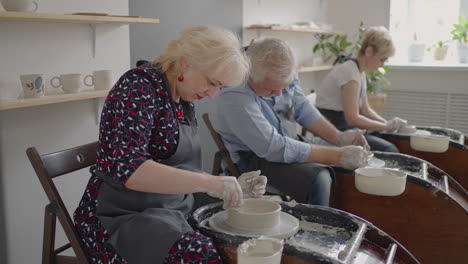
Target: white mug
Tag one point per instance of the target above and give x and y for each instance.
(33, 85)
(70, 83)
(102, 80)
(20, 5)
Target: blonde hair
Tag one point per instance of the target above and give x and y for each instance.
(208, 48)
(380, 40)
(273, 58)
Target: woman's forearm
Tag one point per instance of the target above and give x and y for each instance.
(363, 122)
(154, 177)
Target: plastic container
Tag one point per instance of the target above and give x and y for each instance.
(380, 181)
(432, 143)
(262, 250)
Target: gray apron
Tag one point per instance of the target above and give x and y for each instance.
(143, 226)
(288, 123)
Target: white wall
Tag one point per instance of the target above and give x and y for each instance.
(31, 47)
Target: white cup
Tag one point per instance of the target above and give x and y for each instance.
(20, 5)
(262, 250)
(70, 83)
(102, 80)
(33, 85)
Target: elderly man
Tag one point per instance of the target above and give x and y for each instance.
(257, 122)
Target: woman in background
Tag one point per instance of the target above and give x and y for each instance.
(342, 96)
(140, 194)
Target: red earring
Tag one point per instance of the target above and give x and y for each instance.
(180, 78)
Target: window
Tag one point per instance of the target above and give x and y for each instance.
(425, 21)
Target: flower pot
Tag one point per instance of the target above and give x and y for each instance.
(463, 52)
(440, 53)
(377, 101)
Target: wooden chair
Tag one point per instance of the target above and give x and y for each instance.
(222, 154)
(47, 167)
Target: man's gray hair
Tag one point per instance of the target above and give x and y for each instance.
(272, 58)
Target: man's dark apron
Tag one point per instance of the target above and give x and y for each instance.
(143, 226)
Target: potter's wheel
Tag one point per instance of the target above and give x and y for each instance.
(416, 133)
(375, 163)
(287, 227)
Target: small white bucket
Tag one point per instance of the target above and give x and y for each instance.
(262, 250)
(380, 181)
(433, 143)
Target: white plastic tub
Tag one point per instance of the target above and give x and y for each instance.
(380, 181)
(262, 250)
(432, 143)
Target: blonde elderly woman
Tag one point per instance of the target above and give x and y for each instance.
(148, 167)
(258, 124)
(342, 96)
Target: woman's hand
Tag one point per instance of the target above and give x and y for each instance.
(253, 184)
(395, 124)
(228, 189)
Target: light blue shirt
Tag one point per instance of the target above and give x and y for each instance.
(247, 122)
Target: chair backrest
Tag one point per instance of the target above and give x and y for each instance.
(223, 152)
(47, 167)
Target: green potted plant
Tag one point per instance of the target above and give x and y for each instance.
(319, 47)
(331, 46)
(460, 34)
(440, 49)
(377, 86)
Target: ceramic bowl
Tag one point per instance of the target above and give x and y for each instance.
(432, 143)
(254, 214)
(407, 129)
(380, 181)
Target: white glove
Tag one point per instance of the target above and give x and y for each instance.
(253, 184)
(228, 189)
(352, 137)
(353, 157)
(394, 124)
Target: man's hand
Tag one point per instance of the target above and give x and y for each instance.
(253, 184)
(352, 137)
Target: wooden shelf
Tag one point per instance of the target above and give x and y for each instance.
(52, 99)
(316, 68)
(284, 28)
(74, 19)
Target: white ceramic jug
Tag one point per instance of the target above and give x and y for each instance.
(20, 5)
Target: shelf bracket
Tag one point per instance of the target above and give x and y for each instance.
(93, 39)
(98, 104)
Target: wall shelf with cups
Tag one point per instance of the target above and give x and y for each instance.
(77, 18)
(92, 19)
(52, 99)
